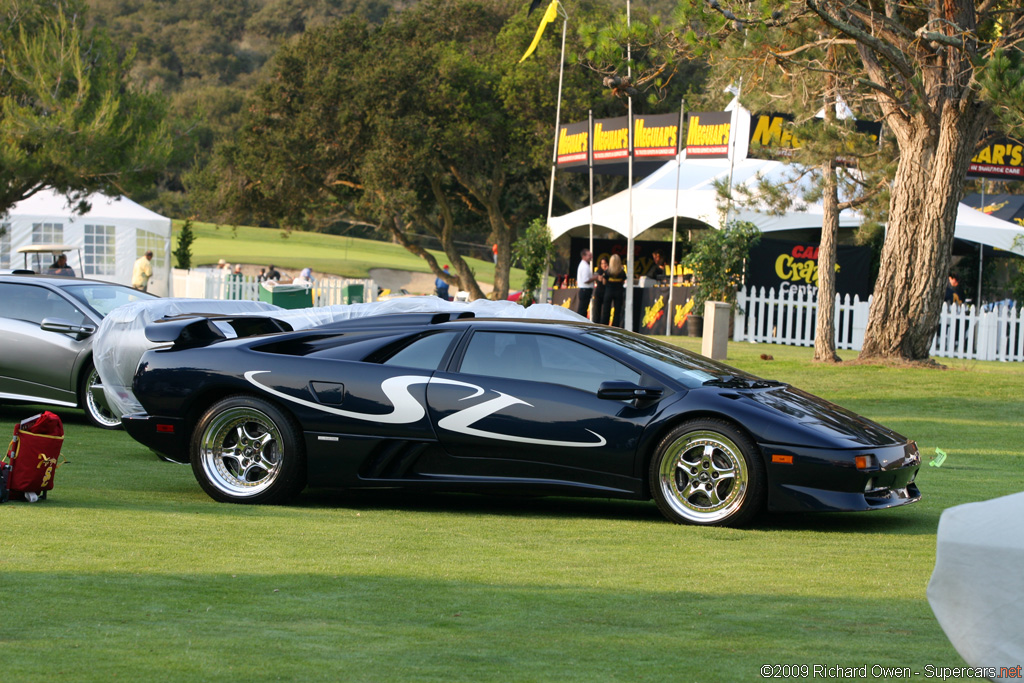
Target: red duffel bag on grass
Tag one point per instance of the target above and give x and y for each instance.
(33, 454)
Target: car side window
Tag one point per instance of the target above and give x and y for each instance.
(542, 358)
(424, 353)
(32, 304)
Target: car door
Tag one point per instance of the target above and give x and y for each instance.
(34, 363)
(525, 405)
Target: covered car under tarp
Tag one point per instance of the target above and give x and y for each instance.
(977, 588)
(121, 339)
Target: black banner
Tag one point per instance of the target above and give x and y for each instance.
(707, 136)
(783, 265)
(771, 135)
(656, 138)
(611, 140)
(574, 146)
(1002, 159)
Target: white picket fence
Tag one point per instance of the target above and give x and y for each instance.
(197, 284)
(789, 317)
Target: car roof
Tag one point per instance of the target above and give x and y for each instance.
(56, 280)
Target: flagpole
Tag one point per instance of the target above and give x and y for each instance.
(590, 159)
(733, 123)
(629, 239)
(554, 153)
(675, 221)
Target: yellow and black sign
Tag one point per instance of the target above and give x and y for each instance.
(771, 135)
(1002, 158)
(611, 140)
(707, 136)
(573, 145)
(656, 137)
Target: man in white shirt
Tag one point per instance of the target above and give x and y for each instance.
(585, 281)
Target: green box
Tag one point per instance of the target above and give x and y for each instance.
(287, 296)
(352, 294)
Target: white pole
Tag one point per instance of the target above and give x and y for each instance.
(628, 322)
(590, 163)
(675, 222)
(733, 122)
(554, 153)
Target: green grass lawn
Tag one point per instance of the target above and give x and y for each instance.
(130, 572)
(345, 256)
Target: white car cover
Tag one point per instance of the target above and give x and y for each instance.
(121, 339)
(977, 588)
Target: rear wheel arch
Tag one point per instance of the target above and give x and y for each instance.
(245, 448)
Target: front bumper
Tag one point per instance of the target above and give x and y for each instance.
(812, 479)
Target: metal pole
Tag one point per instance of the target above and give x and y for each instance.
(628, 322)
(554, 153)
(590, 159)
(733, 120)
(675, 222)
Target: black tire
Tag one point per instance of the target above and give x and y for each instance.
(247, 450)
(708, 472)
(98, 415)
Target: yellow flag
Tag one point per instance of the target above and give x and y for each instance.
(549, 15)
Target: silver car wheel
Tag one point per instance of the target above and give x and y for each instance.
(241, 452)
(703, 477)
(99, 414)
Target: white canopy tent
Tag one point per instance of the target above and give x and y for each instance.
(654, 202)
(111, 235)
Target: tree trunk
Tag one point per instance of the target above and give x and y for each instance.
(825, 331)
(919, 238)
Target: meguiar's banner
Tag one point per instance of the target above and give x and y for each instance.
(656, 137)
(1002, 159)
(611, 140)
(707, 136)
(573, 146)
(783, 265)
(771, 135)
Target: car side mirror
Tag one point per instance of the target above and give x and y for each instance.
(620, 390)
(66, 327)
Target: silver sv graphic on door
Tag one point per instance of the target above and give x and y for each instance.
(406, 409)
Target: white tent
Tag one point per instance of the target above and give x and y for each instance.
(111, 235)
(654, 201)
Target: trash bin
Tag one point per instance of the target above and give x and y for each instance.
(352, 294)
(287, 296)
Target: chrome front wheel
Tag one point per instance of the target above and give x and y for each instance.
(707, 472)
(95, 403)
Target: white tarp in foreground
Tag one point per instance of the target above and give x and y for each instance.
(977, 588)
(121, 339)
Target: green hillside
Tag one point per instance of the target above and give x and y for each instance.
(344, 256)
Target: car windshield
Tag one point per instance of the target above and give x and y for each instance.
(103, 298)
(689, 369)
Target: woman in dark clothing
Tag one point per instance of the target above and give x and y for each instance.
(597, 308)
(614, 292)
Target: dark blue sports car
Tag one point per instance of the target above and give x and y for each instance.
(449, 402)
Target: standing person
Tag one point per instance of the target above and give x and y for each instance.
(954, 295)
(599, 286)
(585, 281)
(614, 292)
(656, 270)
(494, 249)
(262, 277)
(441, 287)
(142, 271)
(304, 278)
(272, 273)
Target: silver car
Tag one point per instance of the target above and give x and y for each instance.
(46, 328)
